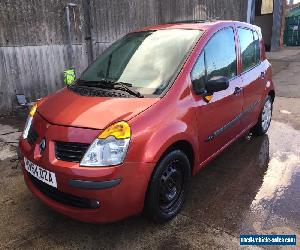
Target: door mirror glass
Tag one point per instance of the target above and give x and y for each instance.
(217, 83)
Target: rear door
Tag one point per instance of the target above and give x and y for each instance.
(218, 119)
(252, 74)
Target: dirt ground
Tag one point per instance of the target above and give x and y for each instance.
(253, 187)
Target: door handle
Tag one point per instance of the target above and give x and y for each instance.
(237, 90)
(262, 74)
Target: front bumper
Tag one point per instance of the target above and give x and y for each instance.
(115, 203)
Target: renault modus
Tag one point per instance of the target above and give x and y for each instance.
(144, 117)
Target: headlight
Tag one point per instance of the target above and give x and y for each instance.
(109, 148)
(29, 120)
(27, 127)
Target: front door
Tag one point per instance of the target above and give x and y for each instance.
(218, 120)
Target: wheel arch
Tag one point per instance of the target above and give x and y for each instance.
(184, 146)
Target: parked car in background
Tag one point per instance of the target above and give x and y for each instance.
(148, 114)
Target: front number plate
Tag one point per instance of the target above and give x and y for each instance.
(40, 173)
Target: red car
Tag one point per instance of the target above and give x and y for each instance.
(148, 114)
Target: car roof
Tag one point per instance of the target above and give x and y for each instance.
(197, 25)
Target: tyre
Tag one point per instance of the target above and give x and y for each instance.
(265, 117)
(168, 187)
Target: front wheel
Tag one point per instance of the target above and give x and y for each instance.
(265, 117)
(168, 187)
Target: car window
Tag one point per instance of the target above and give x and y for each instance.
(256, 47)
(198, 73)
(247, 45)
(220, 54)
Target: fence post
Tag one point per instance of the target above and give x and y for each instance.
(70, 46)
(86, 4)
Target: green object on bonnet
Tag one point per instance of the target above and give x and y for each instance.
(69, 76)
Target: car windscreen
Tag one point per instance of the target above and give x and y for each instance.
(147, 61)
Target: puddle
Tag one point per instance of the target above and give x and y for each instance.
(254, 182)
(284, 164)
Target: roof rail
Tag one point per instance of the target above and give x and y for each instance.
(190, 21)
(194, 21)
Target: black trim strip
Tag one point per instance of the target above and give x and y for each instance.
(94, 184)
(61, 197)
(232, 122)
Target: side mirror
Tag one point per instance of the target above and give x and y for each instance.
(217, 83)
(199, 86)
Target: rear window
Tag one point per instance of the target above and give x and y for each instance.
(250, 50)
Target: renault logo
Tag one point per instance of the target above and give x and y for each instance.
(42, 145)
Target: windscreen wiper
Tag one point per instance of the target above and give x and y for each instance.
(105, 83)
(128, 88)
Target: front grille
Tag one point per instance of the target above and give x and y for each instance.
(32, 135)
(62, 197)
(70, 151)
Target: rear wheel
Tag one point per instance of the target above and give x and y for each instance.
(265, 118)
(168, 187)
